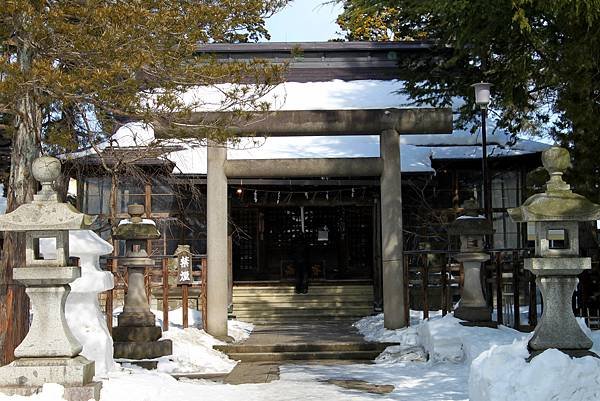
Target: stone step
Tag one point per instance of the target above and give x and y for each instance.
(305, 356)
(303, 347)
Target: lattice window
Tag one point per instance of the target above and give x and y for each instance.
(245, 225)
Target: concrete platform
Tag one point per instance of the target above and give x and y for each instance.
(253, 372)
(270, 346)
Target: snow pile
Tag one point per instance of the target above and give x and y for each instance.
(439, 340)
(192, 347)
(445, 339)
(176, 318)
(193, 353)
(239, 330)
(502, 374)
(82, 310)
(494, 360)
(402, 353)
(371, 328)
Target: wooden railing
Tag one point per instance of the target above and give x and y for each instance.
(157, 278)
(433, 281)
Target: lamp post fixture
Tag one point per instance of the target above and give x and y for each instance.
(482, 99)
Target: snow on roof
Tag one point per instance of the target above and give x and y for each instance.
(331, 95)
(417, 151)
(192, 160)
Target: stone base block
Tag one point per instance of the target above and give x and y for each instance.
(83, 393)
(226, 339)
(90, 391)
(149, 365)
(473, 314)
(491, 325)
(34, 372)
(136, 319)
(573, 353)
(143, 350)
(136, 334)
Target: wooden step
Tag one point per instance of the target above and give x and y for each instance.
(311, 291)
(270, 303)
(277, 304)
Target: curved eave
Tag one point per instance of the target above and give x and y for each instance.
(45, 217)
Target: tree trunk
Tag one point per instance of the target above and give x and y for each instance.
(14, 303)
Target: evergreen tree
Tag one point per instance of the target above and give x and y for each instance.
(543, 58)
(71, 71)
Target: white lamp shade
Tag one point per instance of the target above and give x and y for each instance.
(482, 93)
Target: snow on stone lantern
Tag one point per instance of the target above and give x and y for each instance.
(50, 353)
(82, 309)
(471, 227)
(556, 214)
(136, 336)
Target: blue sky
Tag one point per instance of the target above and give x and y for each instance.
(305, 21)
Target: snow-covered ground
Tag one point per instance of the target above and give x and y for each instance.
(192, 347)
(464, 363)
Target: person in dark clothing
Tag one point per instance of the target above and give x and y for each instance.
(301, 263)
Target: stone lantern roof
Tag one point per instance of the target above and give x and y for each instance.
(558, 202)
(136, 228)
(45, 213)
(470, 223)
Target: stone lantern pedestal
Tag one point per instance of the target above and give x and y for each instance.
(136, 336)
(556, 265)
(471, 227)
(50, 352)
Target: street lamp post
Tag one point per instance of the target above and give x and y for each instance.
(482, 99)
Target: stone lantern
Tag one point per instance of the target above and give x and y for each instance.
(472, 227)
(555, 214)
(50, 353)
(136, 336)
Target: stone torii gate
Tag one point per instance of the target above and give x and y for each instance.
(388, 123)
